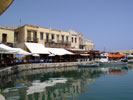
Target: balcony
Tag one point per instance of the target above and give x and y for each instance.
(34, 40)
(57, 41)
(65, 42)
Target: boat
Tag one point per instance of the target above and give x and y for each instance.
(93, 64)
(130, 58)
(111, 59)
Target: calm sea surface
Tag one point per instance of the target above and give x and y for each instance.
(70, 83)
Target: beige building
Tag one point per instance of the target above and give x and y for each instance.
(46, 36)
(7, 36)
(74, 39)
(89, 45)
(18, 36)
(81, 41)
(129, 52)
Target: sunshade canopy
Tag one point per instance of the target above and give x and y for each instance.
(22, 52)
(36, 48)
(59, 51)
(7, 49)
(19, 56)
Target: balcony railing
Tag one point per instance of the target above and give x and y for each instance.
(34, 40)
(57, 41)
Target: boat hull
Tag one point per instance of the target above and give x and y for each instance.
(112, 63)
(89, 65)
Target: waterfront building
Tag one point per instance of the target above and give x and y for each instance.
(19, 35)
(81, 41)
(46, 36)
(89, 45)
(128, 52)
(74, 40)
(7, 36)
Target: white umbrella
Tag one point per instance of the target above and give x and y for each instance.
(22, 52)
(51, 55)
(7, 49)
(36, 55)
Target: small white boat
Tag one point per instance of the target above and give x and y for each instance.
(88, 64)
(113, 63)
(130, 58)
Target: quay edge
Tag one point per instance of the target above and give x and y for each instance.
(22, 67)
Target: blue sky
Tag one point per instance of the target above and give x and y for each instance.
(108, 23)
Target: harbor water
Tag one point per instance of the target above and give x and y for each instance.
(70, 83)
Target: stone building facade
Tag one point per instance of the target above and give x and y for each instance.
(18, 36)
(7, 36)
(89, 45)
(46, 36)
(74, 39)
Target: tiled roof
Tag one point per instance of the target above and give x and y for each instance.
(6, 28)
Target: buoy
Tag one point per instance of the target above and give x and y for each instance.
(59, 70)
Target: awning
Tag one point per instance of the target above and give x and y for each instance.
(6, 49)
(116, 56)
(22, 52)
(4, 4)
(36, 48)
(59, 51)
(19, 56)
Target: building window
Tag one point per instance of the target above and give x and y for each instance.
(16, 36)
(72, 39)
(35, 37)
(66, 38)
(62, 38)
(34, 34)
(75, 40)
(52, 36)
(57, 37)
(47, 37)
(4, 37)
(28, 35)
(41, 35)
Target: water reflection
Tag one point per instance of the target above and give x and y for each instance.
(54, 83)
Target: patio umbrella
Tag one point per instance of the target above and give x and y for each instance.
(19, 56)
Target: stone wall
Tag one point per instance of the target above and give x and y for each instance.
(23, 67)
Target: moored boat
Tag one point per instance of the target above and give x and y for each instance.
(111, 59)
(130, 58)
(94, 64)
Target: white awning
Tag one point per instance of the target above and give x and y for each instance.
(36, 48)
(59, 51)
(22, 52)
(6, 49)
